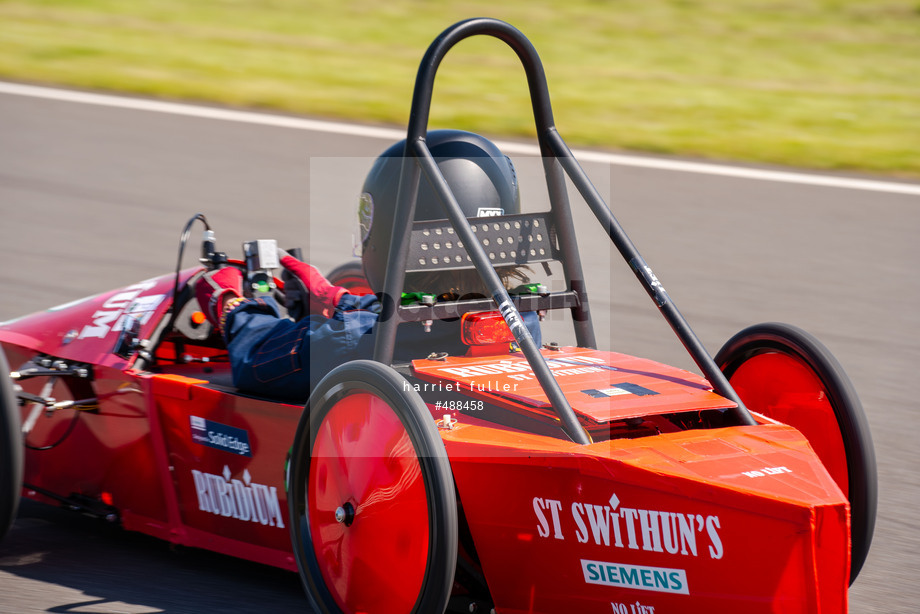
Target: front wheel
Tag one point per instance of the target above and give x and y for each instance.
(372, 502)
(11, 452)
(786, 374)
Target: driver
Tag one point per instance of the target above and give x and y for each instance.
(278, 357)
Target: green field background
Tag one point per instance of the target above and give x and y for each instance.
(821, 84)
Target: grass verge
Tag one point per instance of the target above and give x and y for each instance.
(827, 84)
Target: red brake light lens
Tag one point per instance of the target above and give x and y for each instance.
(484, 328)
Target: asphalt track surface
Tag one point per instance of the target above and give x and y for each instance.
(93, 198)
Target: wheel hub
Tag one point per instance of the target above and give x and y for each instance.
(345, 514)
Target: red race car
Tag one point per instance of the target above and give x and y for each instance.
(511, 478)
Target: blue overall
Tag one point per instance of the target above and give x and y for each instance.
(277, 357)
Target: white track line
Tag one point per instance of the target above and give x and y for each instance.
(390, 134)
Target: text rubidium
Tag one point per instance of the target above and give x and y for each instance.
(240, 499)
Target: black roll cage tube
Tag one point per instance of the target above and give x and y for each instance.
(557, 158)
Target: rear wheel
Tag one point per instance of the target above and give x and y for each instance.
(372, 502)
(786, 374)
(350, 276)
(10, 450)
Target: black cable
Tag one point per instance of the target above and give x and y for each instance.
(70, 428)
(183, 239)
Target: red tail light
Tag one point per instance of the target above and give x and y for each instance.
(484, 328)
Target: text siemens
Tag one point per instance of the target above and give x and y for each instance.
(657, 579)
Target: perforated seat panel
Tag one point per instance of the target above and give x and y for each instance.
(507, 240)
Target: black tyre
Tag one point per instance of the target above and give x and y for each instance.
(784, 373)
(372, 503)
(10, 450)
(350, 276)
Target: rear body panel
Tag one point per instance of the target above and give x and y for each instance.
(680, 523)
(600, 386)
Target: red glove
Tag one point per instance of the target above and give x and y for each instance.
(214, 287)
(323, 295)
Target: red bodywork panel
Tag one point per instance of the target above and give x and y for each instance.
(86, 330)
(602, 387)
(734, 519)
(672, 522)
(229, 492)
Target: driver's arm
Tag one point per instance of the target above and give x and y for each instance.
(274, 355)
(279, 357)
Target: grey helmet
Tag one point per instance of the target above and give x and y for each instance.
(480, 176)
